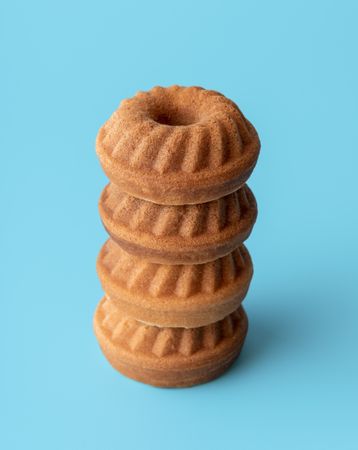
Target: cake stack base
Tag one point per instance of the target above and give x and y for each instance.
(169, 357)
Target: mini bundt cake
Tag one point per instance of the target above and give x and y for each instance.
(178, 145)
(168, 357)
(182, 234)
(174, 295)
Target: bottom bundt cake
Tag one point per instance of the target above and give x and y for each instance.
(168, 357)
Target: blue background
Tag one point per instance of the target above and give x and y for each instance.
(292, 67)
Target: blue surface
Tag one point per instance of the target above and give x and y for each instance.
(292, 67)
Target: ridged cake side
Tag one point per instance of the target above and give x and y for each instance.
(174, 295)
(178, 145)
(178, 234)
(164, 356)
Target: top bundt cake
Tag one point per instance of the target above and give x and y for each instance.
(178, 145)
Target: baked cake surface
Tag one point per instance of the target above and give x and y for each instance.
(168, 357)
(174, 295)
(178, 234)
(178, 145)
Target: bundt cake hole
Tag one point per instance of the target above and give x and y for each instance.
(175, 116)
(174, 121)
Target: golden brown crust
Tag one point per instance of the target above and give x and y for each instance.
(178, 145)
(185, 234)
(174, 295)
(168, 357)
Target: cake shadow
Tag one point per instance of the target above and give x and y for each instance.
(273, 331)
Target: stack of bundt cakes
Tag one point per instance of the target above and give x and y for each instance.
(177, 210)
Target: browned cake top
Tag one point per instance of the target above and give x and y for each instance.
(173, 140)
